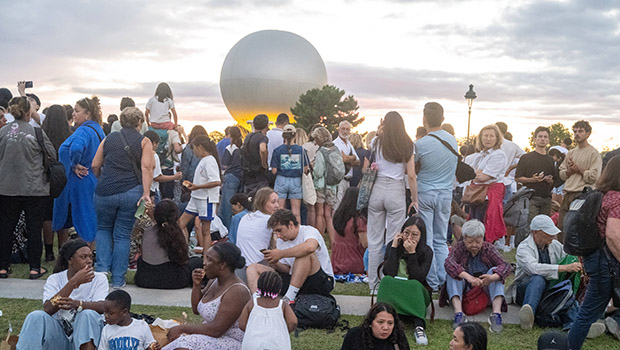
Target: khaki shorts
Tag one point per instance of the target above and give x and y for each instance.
(325, 195)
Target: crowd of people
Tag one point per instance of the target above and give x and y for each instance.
(284, 212)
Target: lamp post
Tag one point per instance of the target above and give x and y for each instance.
(470, 95)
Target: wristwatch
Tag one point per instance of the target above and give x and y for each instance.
(80, 308)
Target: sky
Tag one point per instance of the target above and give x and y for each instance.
(531, 62)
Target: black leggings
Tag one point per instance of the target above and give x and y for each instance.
(10, 209)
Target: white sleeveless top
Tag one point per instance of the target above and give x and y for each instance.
(266, 329)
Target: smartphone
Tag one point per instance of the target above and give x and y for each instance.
(263, 250)
(29, 84)
(413, 211)
(140, 211)
(478, 274)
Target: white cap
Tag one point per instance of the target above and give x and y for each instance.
(545, 224)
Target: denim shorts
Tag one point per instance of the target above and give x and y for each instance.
(288, 187)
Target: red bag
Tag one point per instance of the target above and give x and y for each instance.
(475, 301)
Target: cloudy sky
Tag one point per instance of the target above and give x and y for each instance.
(532, 62)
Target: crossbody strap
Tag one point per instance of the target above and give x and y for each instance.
(45, 157)
(96, 132)
(132, 159)
(447, 145)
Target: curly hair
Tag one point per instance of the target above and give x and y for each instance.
(398, 333)
(93, 107)
(347, 210)
(19, 107)
(169, 234)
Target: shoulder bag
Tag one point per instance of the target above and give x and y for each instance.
(475, 194)
(367, 182)
(464, 172)
(307, 184)
(54, 170)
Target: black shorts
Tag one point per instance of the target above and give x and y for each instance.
(318, 283)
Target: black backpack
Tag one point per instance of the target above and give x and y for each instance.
(53, 169)
(250, 158)
(581, 236)
(554, 305)
(316, 311)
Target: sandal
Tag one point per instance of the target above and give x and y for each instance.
(39, 272)
(4, 274)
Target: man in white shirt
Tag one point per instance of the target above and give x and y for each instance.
(349, 156)
(301, 256)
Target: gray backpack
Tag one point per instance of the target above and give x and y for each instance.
(334, 165)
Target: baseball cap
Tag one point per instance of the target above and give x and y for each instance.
(288, 129)
(553, 341)
(545, 224)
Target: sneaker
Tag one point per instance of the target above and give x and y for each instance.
(612, 327)
(526, 317)
(596, 329)
(459, 318)
(120, 286)
(420, 336)
(495, 322)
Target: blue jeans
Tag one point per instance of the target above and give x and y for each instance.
(456, 287)
(115, 219)
(42, 331)
(530, 291)
(230, 187)
(596, 299)
(435, 211)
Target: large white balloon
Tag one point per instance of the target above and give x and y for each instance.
(266, 71)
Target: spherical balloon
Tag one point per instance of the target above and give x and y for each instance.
(266, 72)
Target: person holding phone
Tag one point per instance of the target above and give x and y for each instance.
(475, 263)
(124, 164)
(407, 262)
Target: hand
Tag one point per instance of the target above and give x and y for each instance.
(488, 279)
(414, 205)
(197, 276)
(574, 267)
(192, 187)
(84, 275)
(410, 244)
(273, 255)
(175, 332)
(21, 88)
(548, 179)
(146, 198)
(154, 346)
(80, 171)
(398, 238)
(66, 303)
(474, 281)
(538, 177)
(178, 176)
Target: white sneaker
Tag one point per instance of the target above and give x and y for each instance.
(612, 327)
(420, 336)
(526, 317)
(507, 248)
(596, 329)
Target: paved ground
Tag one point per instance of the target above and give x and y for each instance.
(349, 305)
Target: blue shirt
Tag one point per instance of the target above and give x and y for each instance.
(287, 159)
(221, 146)
(437, 163)
(234, 225)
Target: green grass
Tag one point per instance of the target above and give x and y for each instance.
(439, 332)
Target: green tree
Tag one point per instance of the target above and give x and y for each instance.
(327, 107)
(216, 136)
(558, 133)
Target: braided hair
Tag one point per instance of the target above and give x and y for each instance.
(269, 284)
(398, 333)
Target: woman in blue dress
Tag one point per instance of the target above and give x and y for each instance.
(75, 206)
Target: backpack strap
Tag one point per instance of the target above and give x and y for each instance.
(44, 155)
(132, 159)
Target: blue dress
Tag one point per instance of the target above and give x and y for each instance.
(79, 148)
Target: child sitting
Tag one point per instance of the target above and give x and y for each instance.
(158, 108)
(266, 319)
(122, 331)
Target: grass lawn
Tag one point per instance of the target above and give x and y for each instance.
(439, 332)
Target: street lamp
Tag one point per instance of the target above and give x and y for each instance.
(470, 95)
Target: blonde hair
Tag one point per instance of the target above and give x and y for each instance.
(300, 136)
(498, 137)
(356, 140)
(321, 135)
(261, 198)
(371, 135)
(131, 117)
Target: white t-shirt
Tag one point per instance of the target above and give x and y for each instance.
(512, 152)
(158, 111)
(347, 149)
(10, 118)
(275, 140)
(386, 168)
(116, 126)
(252, 236)
(306, 233)
(492, 163)
(137, 335)
(95, 290)
(207, 171)
(156, 173)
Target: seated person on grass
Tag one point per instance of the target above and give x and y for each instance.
(301, 258)
(541, 260)
(72, 304)
(240, 206)
(476, 263)
(121, 331)
(407, 262)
